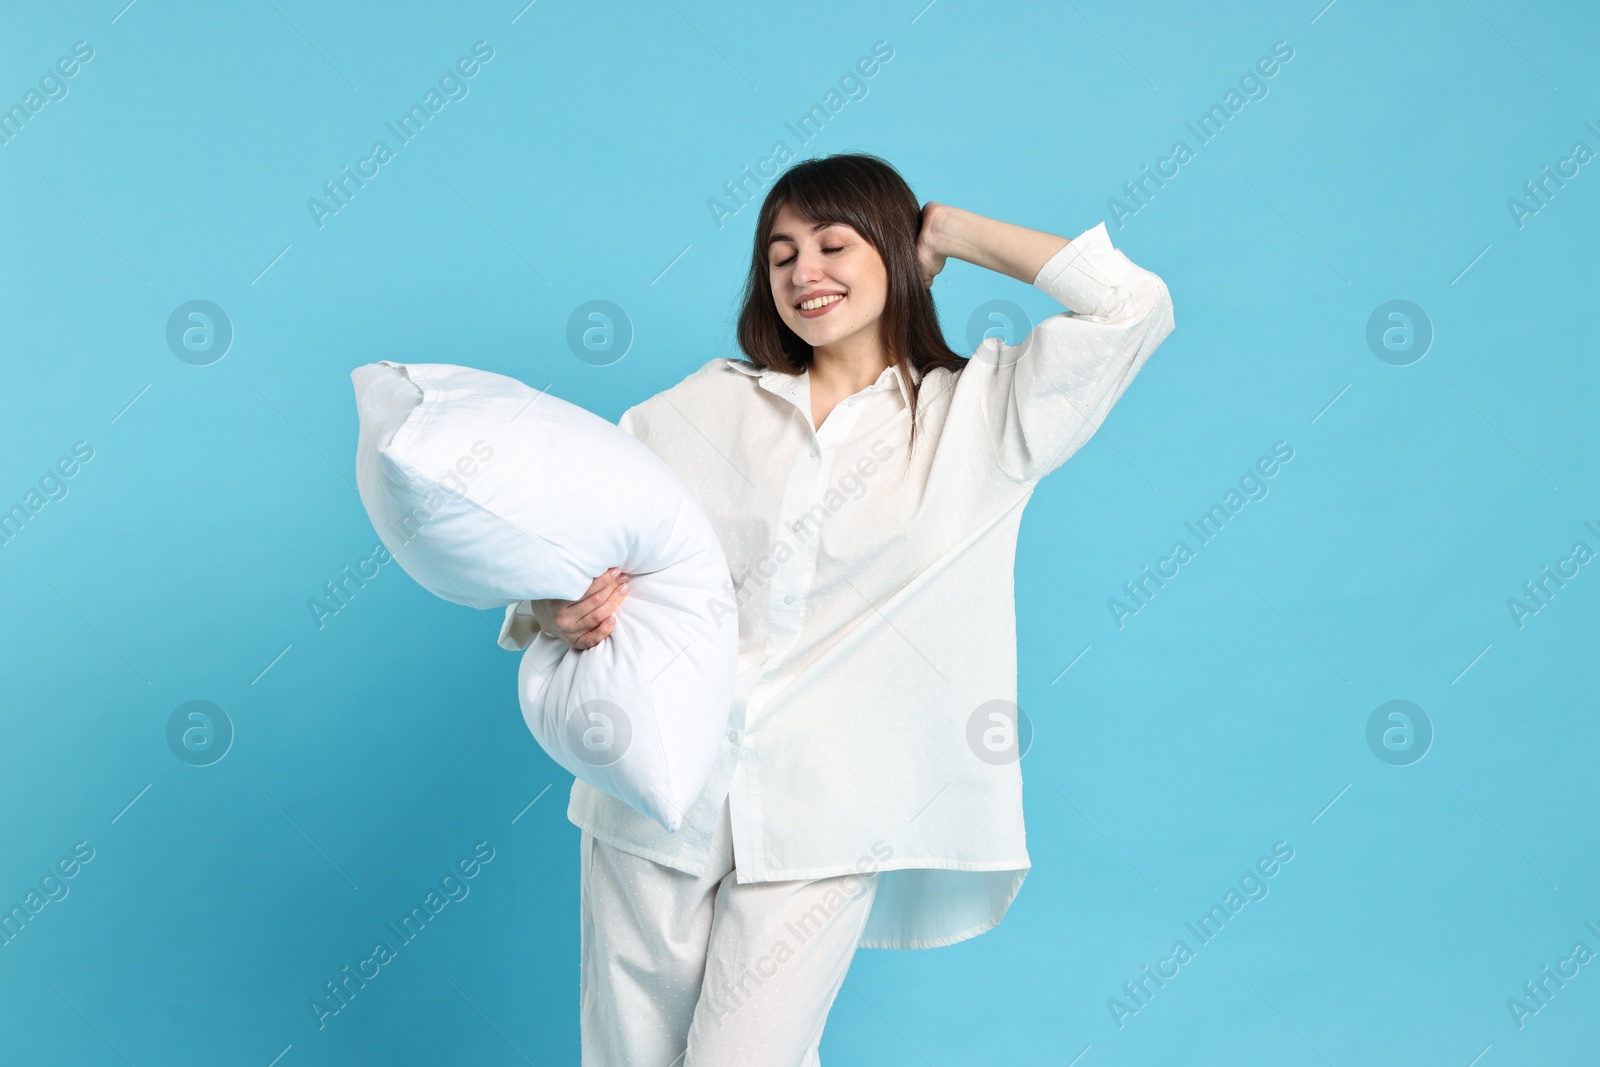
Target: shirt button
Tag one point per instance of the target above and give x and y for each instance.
(788, 600)
(850, 403)
(813, 453)
(733, 735)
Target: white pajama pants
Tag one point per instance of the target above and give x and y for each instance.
(679, 971)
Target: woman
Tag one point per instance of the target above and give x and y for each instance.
(867, 484)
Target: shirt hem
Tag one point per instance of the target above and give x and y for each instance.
(766, 874)
(966, 935)
(622, 844)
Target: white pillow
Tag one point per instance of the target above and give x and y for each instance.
(489, 492)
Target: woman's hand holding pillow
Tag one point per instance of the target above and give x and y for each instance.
(586, 622)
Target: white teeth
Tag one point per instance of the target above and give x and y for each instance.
(812, 305)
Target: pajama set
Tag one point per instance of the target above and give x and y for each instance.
(864, 794)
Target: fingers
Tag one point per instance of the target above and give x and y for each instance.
(600, 583)
(606, 602)
(600, 590)
(596, 635)
(589, 616)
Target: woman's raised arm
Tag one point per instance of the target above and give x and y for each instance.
(1047, 395)
(1012, 250)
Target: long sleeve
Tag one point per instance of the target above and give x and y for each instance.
(519, 628)
(1048, 395)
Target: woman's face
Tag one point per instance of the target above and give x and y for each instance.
(832, 266)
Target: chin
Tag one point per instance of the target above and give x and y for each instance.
(818, 337)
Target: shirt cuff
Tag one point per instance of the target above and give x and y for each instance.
(1087, 275)
(519, 628)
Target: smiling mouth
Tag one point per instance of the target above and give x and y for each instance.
(811, 309)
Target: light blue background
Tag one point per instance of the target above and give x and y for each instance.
(1227, 715)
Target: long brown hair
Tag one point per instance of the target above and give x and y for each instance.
(869, 195)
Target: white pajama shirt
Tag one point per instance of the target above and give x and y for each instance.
(876, 606)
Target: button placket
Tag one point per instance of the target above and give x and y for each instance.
(790, 577)
(805, 487)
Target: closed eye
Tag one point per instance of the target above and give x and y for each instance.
(786, 262)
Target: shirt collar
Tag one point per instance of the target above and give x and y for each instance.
(774, 380)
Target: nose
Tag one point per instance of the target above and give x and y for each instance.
(807, 269)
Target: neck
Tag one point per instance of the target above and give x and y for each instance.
(849, 364)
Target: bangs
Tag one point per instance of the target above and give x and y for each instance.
(818, 196)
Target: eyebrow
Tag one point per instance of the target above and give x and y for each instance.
(785, 237)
